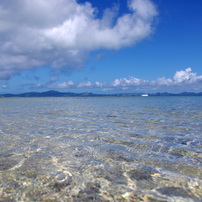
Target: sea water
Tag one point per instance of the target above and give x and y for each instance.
(101, 149)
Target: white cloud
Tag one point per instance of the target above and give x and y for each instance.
(161, 82)
(63, 85)
(62, 32)
(4, 85)
(186, 76)
(143, 8)
(87, 84)
(71, 85)
(100, 84)
(123, 82)
(182, 80)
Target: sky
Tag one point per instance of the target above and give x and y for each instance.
(116, 46)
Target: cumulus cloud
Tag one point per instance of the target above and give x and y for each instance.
(182, 80)
(62, 32)
(64, 85)
(3, 85)
(186, 77)
(132, 81)
(100, 84)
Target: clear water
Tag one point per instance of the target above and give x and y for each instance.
(101, 149)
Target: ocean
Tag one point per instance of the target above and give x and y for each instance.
(101, 149)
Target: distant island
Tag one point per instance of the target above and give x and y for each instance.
(53, 93)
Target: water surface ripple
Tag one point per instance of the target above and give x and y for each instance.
(101, 149)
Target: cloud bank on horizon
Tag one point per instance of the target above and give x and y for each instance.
(181, 80)
(62, 33)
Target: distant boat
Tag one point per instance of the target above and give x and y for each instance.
(145, 95)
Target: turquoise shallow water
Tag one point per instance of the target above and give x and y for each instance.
(101, 149)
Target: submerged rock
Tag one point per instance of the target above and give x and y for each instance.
(6, 164)
(62, 180)
(174, 191)
(117, 156)
(142, 173)
(90, 193)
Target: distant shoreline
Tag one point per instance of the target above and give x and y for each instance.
(53, 93)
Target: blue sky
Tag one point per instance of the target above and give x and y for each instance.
(100, 46)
